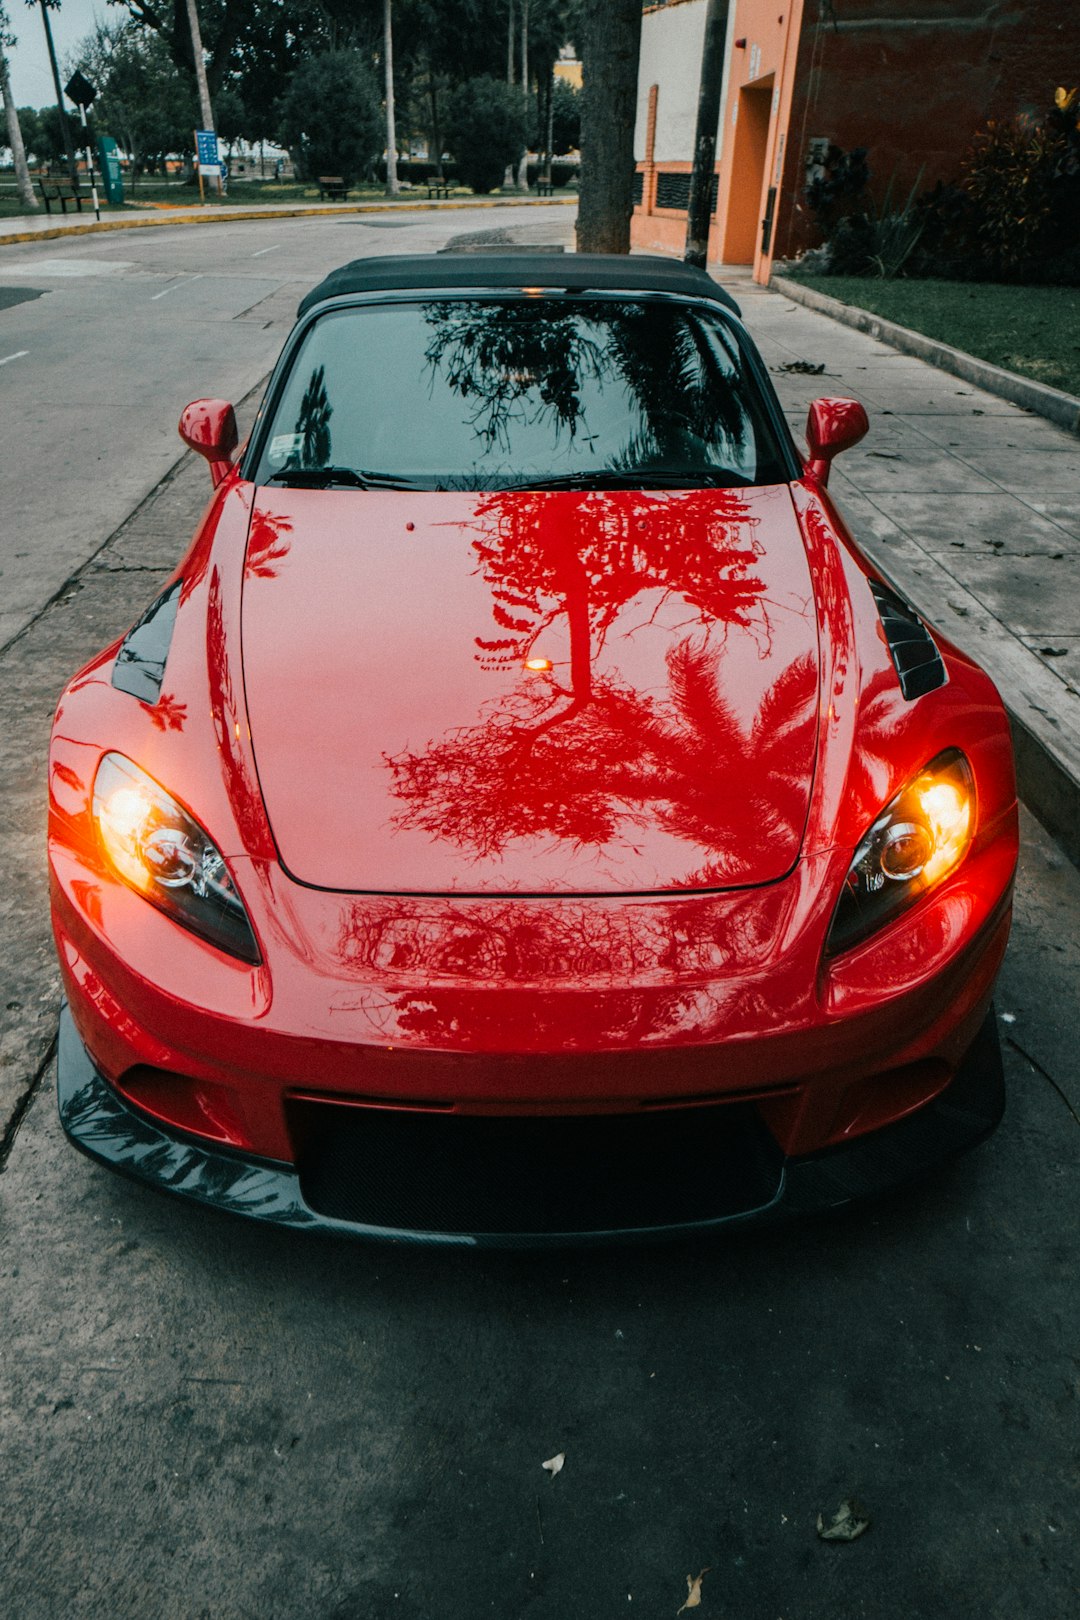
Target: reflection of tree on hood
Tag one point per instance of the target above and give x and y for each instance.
(697, 545)
(596, 773)
(524, 362)
(588, 759)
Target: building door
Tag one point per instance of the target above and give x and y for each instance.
(742, 227)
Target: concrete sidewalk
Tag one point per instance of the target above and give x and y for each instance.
(43, 226)
(971, 506)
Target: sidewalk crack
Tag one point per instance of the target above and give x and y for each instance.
(23, 1105)
(1037, 1066)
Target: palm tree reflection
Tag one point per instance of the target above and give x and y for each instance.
(526, 368)
(586, 757)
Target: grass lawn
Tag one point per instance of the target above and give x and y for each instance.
(1031, 330)
(241, 194)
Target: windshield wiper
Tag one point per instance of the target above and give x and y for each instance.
(637, 478)
(327, 477)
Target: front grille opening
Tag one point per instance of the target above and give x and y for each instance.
(473, 1174)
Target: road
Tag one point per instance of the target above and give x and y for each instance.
(103, 339)
(200, 1418)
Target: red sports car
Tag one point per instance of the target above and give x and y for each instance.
(526, 816)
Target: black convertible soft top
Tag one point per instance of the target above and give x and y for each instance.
(581, 272)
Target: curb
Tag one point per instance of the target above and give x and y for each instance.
(1057, 406)
(223, 215)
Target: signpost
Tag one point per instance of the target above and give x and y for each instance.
(79, 90)
(207, 158)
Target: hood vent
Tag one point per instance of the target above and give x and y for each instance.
(140, 661)
(918, 664)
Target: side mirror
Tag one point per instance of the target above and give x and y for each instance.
(832, 425)
(208, 426)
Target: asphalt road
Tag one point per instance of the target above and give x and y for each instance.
(199, 1417)
(103, 340)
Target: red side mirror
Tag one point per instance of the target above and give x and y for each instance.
(208, 426)
(832, 425)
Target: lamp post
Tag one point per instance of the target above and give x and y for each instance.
(65, 131)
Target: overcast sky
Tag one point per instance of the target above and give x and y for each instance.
(31, 76)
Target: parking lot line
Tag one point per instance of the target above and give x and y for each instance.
(16, 356)
(174, 285)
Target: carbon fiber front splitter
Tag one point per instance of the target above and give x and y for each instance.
(99, 1122)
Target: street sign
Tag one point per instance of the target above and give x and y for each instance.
(206, 150)
(79, 89)
(109, 158)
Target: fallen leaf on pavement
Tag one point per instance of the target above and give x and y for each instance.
(693, 1590)
(554, 1464)
(847, 1523)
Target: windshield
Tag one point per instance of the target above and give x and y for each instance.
(520, 392)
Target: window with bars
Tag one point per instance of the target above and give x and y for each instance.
(673, 191)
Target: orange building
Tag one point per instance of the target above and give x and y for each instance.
(911, 84)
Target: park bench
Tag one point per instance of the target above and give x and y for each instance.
(59, 188)
(438, 188)
(332, 186)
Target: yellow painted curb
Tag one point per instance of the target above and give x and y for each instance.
(223, 214)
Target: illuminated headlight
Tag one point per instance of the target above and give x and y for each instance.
(919, 838)
(162, 852)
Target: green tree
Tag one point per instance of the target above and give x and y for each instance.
(30, 124)
(566, 105)
(330, 118)
(143, 100)
(230, 117)
(486, 126)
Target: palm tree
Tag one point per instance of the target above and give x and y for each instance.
(15, 140)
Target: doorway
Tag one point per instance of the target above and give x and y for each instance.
(743, 222)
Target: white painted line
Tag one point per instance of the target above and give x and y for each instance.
(266, 250)
(173, 287)
(16, 356)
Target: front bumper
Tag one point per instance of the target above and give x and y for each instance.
(754, 1180)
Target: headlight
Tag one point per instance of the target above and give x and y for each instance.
(919, 838)
(162, 852)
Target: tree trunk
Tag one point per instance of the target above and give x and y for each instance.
(610, 43)
(392, 186)
(15, 140)
(523, 166)
(205, 110)
(436, 132)
(549, 126)
(510, 42)
(699, 211)
(525, 46)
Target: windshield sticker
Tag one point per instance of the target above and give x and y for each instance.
(284, 445)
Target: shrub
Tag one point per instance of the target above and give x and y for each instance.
(840, 191)
(1022, 176)
(861, 238)
(330, 117)
(486, 130)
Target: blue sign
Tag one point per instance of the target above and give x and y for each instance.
(206, 149)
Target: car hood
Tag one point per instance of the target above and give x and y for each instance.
(532, 692)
